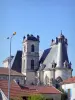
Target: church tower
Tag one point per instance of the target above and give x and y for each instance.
(54, 62)
(63, 68)
(30, 57)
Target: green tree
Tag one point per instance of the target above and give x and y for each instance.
(36, 97)
(16, 98)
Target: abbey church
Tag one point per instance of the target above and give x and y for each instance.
(51, 67)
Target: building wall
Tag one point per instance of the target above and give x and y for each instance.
(71, 86)
(30, 78)
(41, 77)
(16, 78)
(47, 76)
(27, 56)
(64, 73)
(5, 64)
(54, 96)
(3, 97)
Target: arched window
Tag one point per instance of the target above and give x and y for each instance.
(32, 64)
(32, 48)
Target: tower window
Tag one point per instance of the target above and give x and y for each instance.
(32, 48)
(32, 64)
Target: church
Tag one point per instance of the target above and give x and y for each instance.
(49, 68)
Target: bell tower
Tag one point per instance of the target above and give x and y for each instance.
(64, 69)
(30, 57)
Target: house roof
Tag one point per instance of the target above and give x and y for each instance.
(8, 58)
(45, 89)
(17, 63)
(44, 55)
(18, 91)
(57, 53)
(5, 71)
(68, 81)
(15, 90)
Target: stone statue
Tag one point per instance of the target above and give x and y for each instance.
(70, 64)
(65, 64)
(53, 64)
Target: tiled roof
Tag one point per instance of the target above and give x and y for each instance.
(15, 90)
(45, 89)
(68, 81)
(18, 91)
(4, 71)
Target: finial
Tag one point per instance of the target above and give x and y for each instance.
(61, 32)
(52, 40)
(38, 36)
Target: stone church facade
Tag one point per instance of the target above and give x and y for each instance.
(53, 65)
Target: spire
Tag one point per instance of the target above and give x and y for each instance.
(61, 32)
(61, 35)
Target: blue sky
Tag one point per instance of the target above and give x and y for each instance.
(43, 17)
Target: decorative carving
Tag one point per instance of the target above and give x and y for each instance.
(56, 40)
(24, 37)
(53, 64)
(52, 40)
(70, 64)
(65, 64)
(28, 36)
(66, 41)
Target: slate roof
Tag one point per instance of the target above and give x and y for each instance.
(17, 63)
(5, 71)
(51, 54)
(44, 55)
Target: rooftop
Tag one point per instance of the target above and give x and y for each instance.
(69, 81)
(4, 71)
(57, 53)
(15, 89)
(8, 58)
(18, 91)
(31, 37)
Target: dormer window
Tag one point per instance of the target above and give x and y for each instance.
(32, 48)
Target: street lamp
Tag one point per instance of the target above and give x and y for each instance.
(10, 38)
